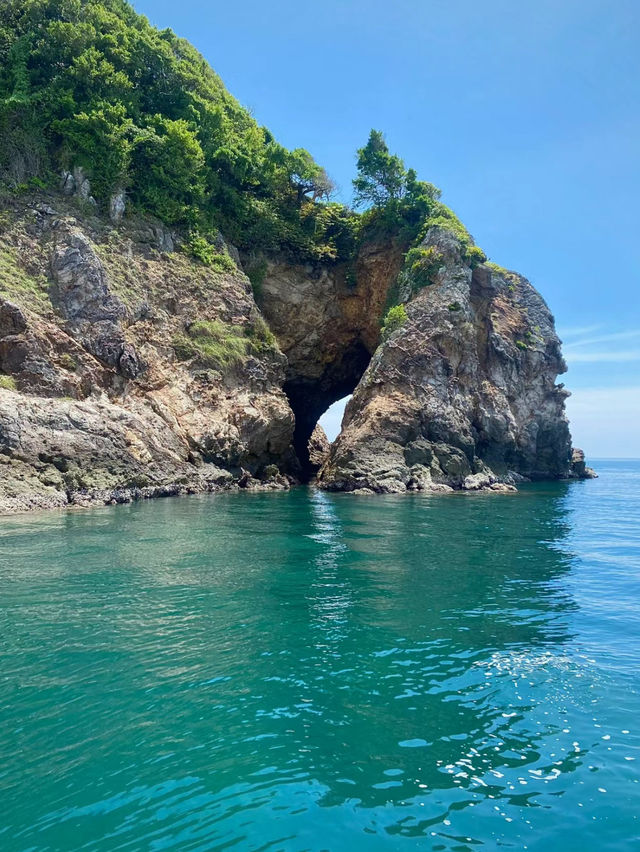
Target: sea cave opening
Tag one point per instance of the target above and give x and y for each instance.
(322, 400)
(331, 420)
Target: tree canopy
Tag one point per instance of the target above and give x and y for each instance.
(381, 175)
(91, 83)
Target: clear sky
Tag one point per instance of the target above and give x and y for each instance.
(526, 114)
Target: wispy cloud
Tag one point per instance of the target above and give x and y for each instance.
(579, 347)
(577, 331)
(624, 355)
(606, 338)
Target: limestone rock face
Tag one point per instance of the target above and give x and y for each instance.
(463, 395)
(104, 394)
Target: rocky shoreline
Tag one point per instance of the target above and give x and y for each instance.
(129, 370)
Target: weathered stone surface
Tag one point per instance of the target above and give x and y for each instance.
(105, 409)
(117, 205)
(327, 321)
(12, 320)
(579, 467)
(114, 400)
(82, 295)
(319, 447)
(464, 394)
(77, 183)
(67, 183)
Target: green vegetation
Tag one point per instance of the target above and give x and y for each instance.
(405, 208)
(395, 317)
(200, 248)
(261, 338)
(67, 361)
(381, 175)
(91, 83)
(443, 217)
(494, 267)
(521, 345)
(475, 256)
(512, 277)
(30, 290)
(214, 344)
(399, 203)
(422, 264)
(455, 306)
(220, 346)
(256, 273)
(7, 382)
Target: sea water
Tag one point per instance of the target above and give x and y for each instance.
(309, 671)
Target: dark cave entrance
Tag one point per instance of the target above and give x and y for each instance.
(310, 398)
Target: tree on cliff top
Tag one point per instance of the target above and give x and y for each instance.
(381, 174)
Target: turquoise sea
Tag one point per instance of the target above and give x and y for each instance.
(308, 671)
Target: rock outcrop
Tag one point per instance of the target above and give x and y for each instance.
(319, 447)
(463, 395)
(129, 369)
(327, 320)
(579, 467)
(129, 372)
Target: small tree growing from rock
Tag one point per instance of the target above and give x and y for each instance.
(381, 174)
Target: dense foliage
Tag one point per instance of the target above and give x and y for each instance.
(399, 203)
(91, 83)
(406, 207)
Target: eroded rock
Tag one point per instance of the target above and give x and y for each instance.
(110, 394)
(319, 447)
(464, 394)
(117, 205)
(108, 407)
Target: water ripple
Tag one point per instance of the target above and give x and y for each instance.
(308, 671)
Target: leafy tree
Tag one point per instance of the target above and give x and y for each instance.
(101, 141)
(381, 175)
(92, 83)
(308, 177)
(168, 168)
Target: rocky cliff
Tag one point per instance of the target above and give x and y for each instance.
(129, 369)
(327, 318)
(463, 395)
(126, 369)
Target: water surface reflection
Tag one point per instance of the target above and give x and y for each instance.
(302, 671)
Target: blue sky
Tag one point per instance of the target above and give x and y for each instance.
(525, 114)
